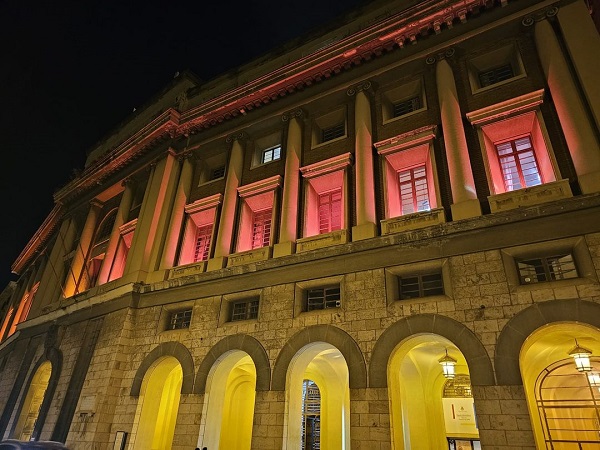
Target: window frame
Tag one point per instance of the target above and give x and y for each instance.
(251, 306)
(547, 267)
(333, 290)
(420, 285)
(301, 292)
(406, 91)
(393, 275)
(228, 300)
(327, 121)
(490, 59)
(185, 319)
(200, 213)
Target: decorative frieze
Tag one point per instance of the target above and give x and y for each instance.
(322, 240)
(187, 270)
(248, 257)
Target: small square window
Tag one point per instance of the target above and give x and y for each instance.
(180, 320)
(495, 67)
(216, 173)
(334, 132)
(495, 75)
(549, 268)
(244, 310)
(420, 286)
(406, 106)
(323, 298)
(271, 154)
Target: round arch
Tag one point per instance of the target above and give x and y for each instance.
(518, 328)
(177, 351)
(241, 342)
(337, 337)
(480, 366)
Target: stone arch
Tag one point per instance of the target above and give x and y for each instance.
(54, 356)
(177, 351)
(241, 342)
(480, 366)
(514, 333)
(337, 337)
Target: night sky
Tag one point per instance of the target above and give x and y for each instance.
(71, 72)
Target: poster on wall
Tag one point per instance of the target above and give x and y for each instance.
(459, 417)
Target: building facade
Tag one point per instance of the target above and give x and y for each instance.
(386, 236)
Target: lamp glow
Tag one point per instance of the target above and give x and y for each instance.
(581, 356)
(594, 379)
(448, 362)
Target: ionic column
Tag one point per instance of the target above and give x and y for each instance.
(77, 276)
(178, 214)
(583, 41)
(227, 219)
(365, 185)
(149, 234)
(574, 122)
(464, 197)
(115, 235)
(288, 230)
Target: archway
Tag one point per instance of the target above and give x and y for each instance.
(31, 406)
(310, 424)
(430, 410)
(158, 405)
(564, 403)
(229, 403)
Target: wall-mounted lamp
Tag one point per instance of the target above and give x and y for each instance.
(448, 363)
(582, 358)
(594, 379)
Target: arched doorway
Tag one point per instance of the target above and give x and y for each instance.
(428, 409)
(564, 403)
(229, 402)
(33, 402)
(158, 405)
(318, 399)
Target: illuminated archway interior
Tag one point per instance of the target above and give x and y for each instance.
(33, 401)
(318, 366)
(564, 403)
(421, 418)
(158, 405)
(229, 404)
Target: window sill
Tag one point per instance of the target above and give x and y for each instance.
(248, 257)
(548, 192)
(555, 284)
(205, 183)
(321, 241)
(413, 221)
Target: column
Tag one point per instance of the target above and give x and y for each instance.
(583, 41)
(574, 122)
(288, 231)
(148, 238)
(178, 215)
(115, 235)
(227, 219)
(77, 277)
(464, 197)
(365, 185)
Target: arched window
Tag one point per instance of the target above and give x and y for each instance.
(311, 416)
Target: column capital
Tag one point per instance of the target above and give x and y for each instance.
(539, 15)
(360, 87)
(441, 55)
(236, 137)
(296, 113)
(187, 155)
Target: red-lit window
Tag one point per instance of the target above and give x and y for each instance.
(330, 211)
(414, 195)
(261, 228)
(518, 164)
(202, 247)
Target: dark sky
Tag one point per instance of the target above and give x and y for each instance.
(71, 71)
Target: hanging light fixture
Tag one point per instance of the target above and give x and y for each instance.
(594, 379)
(582, 358)
(448, 363)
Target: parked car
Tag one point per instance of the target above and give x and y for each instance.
(13, 444)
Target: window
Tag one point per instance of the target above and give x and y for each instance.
(212, 168)
(244, 310)
(329, 127)
(407, 106)
(403, 100)
(419, 286)
(199, 228)
(322, 298)
(330, 211)
(495, 68)
(334, 132)
(324, 195)
(549, 268)
(518, 163)
(256, 218)
(409, 172)
(271, 154)
(217, 173)
(495, 75)
(180, 320)
(126, 231)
